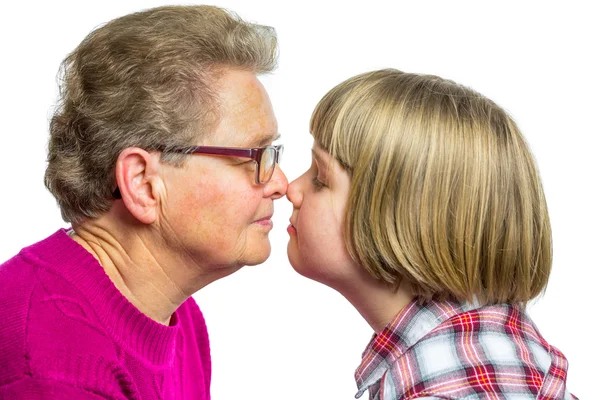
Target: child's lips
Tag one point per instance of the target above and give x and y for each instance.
(291, 229)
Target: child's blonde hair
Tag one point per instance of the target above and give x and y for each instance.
(445, 194)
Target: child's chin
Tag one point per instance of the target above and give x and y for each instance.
(296, 261)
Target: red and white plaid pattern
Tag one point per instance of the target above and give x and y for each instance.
(445, 350)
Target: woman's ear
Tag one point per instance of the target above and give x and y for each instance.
(136, 172)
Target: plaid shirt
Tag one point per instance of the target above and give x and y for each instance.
(444, 350)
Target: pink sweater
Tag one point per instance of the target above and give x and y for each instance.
(66, 332)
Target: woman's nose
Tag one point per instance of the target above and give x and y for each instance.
(278, 185)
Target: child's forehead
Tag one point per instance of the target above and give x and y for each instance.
(326, 162)
(319, 153)
(322, 157)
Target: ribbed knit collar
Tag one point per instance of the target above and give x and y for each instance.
(128, 326)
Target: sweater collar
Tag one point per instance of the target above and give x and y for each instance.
(128, 326)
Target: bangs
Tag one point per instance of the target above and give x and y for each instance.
(342, 117)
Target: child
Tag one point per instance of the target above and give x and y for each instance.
(424, 208)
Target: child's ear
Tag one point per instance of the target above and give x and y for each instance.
(136, 174)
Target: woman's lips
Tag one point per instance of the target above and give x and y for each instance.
(266, 222)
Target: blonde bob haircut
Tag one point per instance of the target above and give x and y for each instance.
(445, 195)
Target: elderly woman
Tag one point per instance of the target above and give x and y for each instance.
(161, 158)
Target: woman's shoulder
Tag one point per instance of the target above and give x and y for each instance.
(45, 319)
(48, 332)
(17, 283)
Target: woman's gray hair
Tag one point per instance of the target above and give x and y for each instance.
(144, 80)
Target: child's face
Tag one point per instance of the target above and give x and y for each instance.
(316, 248)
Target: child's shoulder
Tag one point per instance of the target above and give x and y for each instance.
(495, 349)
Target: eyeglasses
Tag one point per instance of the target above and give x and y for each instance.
(266, 158)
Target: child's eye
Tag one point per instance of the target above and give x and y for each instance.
(317, 183)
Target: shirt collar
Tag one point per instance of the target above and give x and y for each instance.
(409, 326)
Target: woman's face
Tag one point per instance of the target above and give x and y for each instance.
(213, 209)
(316, 248)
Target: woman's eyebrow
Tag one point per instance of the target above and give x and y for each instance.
(268, 140)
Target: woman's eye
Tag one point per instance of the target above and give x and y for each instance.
(317, 183)
(244, 162)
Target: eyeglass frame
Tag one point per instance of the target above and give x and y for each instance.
(254, 153)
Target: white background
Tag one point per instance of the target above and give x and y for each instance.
(274, 334)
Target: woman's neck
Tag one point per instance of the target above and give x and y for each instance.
(153, 277)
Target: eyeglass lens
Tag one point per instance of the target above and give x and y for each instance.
(267, 165)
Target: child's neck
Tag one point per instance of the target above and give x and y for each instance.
(377, 302)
